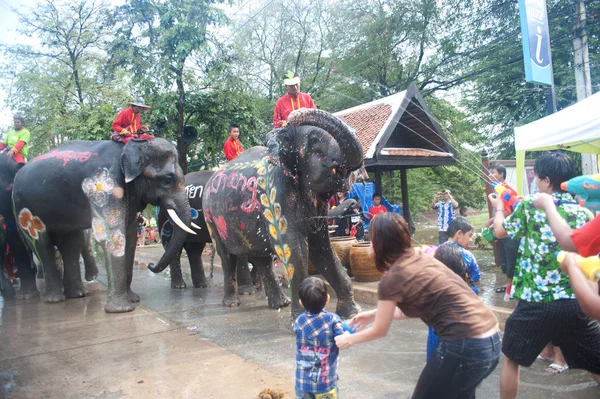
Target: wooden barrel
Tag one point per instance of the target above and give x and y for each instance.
(363, 263)
(342, 246)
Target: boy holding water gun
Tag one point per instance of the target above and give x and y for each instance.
(585, 240)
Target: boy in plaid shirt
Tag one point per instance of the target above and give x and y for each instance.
(317, 354)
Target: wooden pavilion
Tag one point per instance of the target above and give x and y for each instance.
(399, 132)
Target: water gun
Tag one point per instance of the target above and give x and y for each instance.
(347, 327)
(508, 195)
(587, 187)
(589, 266)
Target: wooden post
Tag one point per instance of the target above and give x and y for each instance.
(488, 190)
(378, 186)
(404, 187)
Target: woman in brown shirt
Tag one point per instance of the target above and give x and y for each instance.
(417, 285)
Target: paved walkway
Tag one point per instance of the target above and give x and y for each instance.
(185, 344)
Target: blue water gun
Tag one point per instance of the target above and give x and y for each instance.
(347, 327)
(587, 187)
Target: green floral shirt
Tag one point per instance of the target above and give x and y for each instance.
(538, 277)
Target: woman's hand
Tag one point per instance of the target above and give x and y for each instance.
(343, 341)
(363, 319)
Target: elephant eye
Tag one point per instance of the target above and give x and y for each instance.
(168, 180)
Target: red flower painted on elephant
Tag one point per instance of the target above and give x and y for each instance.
(32, 224)
(221, 226)
(116, 244)
(242, 226)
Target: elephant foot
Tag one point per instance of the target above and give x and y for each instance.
(231, 301)
(277, 303)
(347, 309)
(178, 284)
(200, 284)
(118, 304)
(77, 292)
(91, 276)
(132, 296)
(54, 298)
(246, 289)
(28, 294)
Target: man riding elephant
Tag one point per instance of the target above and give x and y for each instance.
(273, 201)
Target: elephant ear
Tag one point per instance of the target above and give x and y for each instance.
(283, 149)
(132, 160)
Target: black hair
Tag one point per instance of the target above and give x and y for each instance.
(19, 118)
(232, 126)
(463, 211)
(451, 256)
(390, 236)
(313, 294)
(376, 195)
(557, 166)
(500, 168)
(459, 224)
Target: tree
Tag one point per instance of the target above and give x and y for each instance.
(58, 85)
(157, 41)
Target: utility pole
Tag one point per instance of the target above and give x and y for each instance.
(583, 80)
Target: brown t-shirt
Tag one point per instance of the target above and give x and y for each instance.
(425, 288)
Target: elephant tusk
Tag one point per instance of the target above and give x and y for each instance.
(178, 222)
(194, 225)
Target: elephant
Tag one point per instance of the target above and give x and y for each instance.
(99, 185)
(10, 236)
(19, 251)
(273, 200)
(194, 244)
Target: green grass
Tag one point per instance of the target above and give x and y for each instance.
(478, 219)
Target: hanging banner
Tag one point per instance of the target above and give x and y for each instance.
(536, 41)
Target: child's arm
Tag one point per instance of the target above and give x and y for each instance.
(499, 230)
(560, 228)
(586, 296)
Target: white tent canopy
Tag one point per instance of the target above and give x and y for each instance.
(575, 128)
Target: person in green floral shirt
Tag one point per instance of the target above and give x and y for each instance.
(548, 310)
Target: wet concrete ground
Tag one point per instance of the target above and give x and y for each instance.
(184, 343)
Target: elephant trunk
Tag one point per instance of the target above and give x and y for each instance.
(342, 133)
(181, 215)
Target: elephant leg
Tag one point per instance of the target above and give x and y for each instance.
(24, 262)
(194, 252)
(275, 296)
(52, 273)
(130, 246)
(299, 257)
(119, 253)
(176, 276)
(244, 277)
(70, 248)
(89, 262)
(228, 262)
(323, 257)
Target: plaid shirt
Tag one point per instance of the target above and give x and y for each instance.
(317, 354)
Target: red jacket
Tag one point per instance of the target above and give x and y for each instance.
(127, 122)
(232, 148)
(286, 104)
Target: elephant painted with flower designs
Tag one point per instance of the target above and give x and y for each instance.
(273, 200)
(99, 185)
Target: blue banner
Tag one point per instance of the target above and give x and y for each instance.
(537, 55)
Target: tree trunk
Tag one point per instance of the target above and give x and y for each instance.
(181, 144)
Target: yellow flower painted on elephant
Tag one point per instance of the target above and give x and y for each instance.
(264, 200)
(283, 226)
(269, 215)
(273, 231)
(277, 211)
(277, 223)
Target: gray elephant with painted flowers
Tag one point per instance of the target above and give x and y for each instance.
(99, 185)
